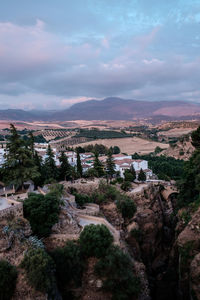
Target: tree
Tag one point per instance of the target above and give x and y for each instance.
(189, 185)
(116, 271)
(94, 240)
(8, 277)
(50, 165)
(39, 268)
(110, 165)
(98, 166)
(128, 176)
(116, 150)
(19, 164)
(141, 175)
(132, 170)
(126, 185)
(69, 266)
(39, 181)
(78, 165)
(196, 138)
(158, 150)
(126, 206)
(42, 212)
(31, 143)
(65, 168)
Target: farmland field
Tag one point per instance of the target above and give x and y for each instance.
(128, 145)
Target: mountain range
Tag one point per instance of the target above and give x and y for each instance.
(109, 109)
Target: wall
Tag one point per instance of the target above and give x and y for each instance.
(15, 210)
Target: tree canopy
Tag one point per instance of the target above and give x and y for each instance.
(8, 277)
(94, 240)
(19, 165)
(42, 212)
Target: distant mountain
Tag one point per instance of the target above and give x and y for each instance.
(120, 109)
(110, 109)
(16, 114)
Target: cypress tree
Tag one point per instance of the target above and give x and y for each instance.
(141, 175)
(132, 170)
(110, 165)
(78, 165)
(98, 167)
(65, 168)
(50, 165)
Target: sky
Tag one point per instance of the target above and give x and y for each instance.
(57, 53)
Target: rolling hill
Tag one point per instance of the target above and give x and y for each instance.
(110, 109)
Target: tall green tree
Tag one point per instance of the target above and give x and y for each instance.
(78, 165)
(110, 165)
(42, 212)
(19, 164)
(132, 170)
(50, 168)
(39, 181)
(98, 166)
(31, 143)
(189, 185)
(8, 275)
(141, 175)
(65, 168)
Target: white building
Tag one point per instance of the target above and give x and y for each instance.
(2, 153)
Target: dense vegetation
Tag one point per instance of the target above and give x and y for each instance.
(101, 134)
(99, 148)
(165, 168)
(116, 270)
(126, 206)
(69, 267)
(42, 211)
(94, 240)
(189, 184)
(8, 277)
(39, 269)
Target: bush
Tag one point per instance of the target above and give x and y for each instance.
(81, 199)
(116, 270)
(94, 240)
(39, 269)
(8, 277)
(110, 193)
(69, 266)
(126, 206)
(128, 176)
(126, 185)
(42, 212)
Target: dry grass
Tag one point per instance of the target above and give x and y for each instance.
(176, 132)
(129, 145)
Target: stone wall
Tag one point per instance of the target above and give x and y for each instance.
(14, 211)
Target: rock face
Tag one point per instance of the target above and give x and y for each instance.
(13, 244)
(91, 287)
(150, 236)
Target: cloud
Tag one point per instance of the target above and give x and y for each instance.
(42, 69)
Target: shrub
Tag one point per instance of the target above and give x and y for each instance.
(128, 176)
(108, 191)
(126, 206)
(116, 270)
(126, 185)
(119, 179)
(69, 266)
(94, 240)
(81, 199)
(8, 277)
(39, 269)
(42, 212)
